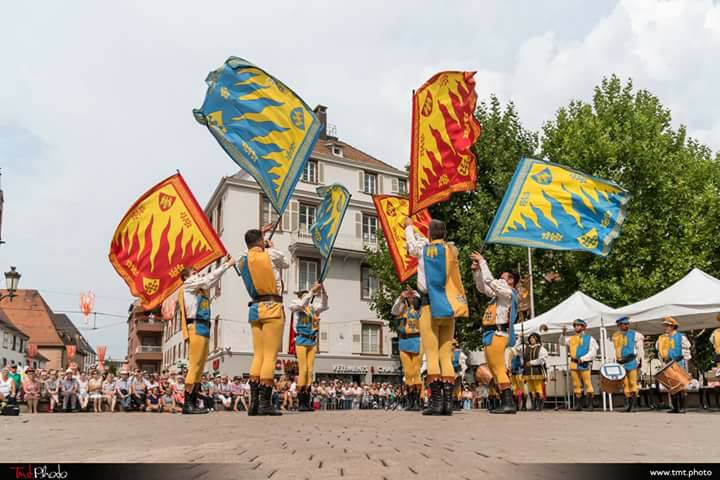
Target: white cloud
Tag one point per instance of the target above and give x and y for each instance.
(105, 93)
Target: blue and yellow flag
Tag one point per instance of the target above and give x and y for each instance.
(552, 206)
(262, 124)
(330, 214)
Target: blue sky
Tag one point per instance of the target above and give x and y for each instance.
(97, 99)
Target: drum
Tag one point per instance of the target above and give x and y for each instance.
(611, 378)
(673, 377)
(483, 375)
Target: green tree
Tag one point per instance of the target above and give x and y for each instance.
(672, 224)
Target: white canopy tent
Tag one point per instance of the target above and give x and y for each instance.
(577, 305)
(694, 301)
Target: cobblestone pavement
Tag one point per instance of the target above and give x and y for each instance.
(363, 444)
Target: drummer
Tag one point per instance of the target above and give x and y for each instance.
(629, 353)
(582, 349)
(715, 342)
(673, 346)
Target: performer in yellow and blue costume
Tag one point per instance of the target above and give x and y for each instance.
(629, 352)
(673, 346)
(516, 377)
(194, 309)
(498, 325)
(533, 357)
(306, 310)
(715, 342)
(443, 300)
(407, 309)
(261, 270)
(582, 349)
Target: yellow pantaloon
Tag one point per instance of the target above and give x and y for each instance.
(198, 347)
(411, 366)
(267, 340)
(306, 363)
(437, 336)
(630, 384)
(580, 379)
(495, 356)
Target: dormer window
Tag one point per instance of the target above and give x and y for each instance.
(337, 150)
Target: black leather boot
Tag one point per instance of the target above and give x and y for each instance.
(630, 406)
(541, 403)
(265, 406)
(448, 403)
(523, 405)
(190, 404)
(681, 403)
(435, 405)
(507, 404)
(589, 404)
(578, 403)
(254, 399)
(413, 400)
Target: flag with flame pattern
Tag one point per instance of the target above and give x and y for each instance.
(555, 207)
(162, 233)
(330, 214)
(392, 211)
(444, 128)
(262, 124)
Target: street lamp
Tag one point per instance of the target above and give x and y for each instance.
(12, 278)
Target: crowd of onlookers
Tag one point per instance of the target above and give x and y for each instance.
(96, 391)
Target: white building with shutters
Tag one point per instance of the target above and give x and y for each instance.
(354, 344)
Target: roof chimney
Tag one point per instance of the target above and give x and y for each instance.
(321, 112)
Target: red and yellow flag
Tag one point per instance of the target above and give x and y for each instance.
(392, 211)
(444, 129)
(162, 233)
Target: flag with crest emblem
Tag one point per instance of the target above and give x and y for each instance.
(262, 124)
(330, 214)
(555, 207)
(162, 233)
(444, 128)
(392, 211)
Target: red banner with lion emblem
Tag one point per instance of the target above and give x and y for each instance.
(392, 211)
(162, 233)
(444, 128)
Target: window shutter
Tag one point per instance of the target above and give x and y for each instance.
(320, 172)
(361, 178)
(386, 345)
(324, 336)
(380, 184)
(357, 337)
(294, 215)
(358, 224)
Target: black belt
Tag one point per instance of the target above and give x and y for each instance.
(196, 320)
(405, 336)
(266, 298)
(495, 328)
(308, 337)
(424, 299)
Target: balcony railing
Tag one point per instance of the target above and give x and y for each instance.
(148, 349)
(345, 242)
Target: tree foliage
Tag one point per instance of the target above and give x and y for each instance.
(622, 134)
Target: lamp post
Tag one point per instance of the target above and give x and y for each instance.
(12, 278)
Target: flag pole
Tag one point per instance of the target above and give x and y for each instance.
(275, 226)
(532, 292)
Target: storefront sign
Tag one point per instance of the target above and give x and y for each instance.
(365, 369)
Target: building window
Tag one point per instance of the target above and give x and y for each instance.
(22, 346)
(371, 338)
(14, 343)
(402, 186)
(310, 172)
(5, 340)
(308, 272)
(368, 282)
(307, 218)
(267, 212)
(369, 229)
(370, 183)
(337, 151)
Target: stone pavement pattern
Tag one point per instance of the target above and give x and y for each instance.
(363, 444)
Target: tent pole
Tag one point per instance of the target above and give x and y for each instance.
(532, 293)
(602, 357)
